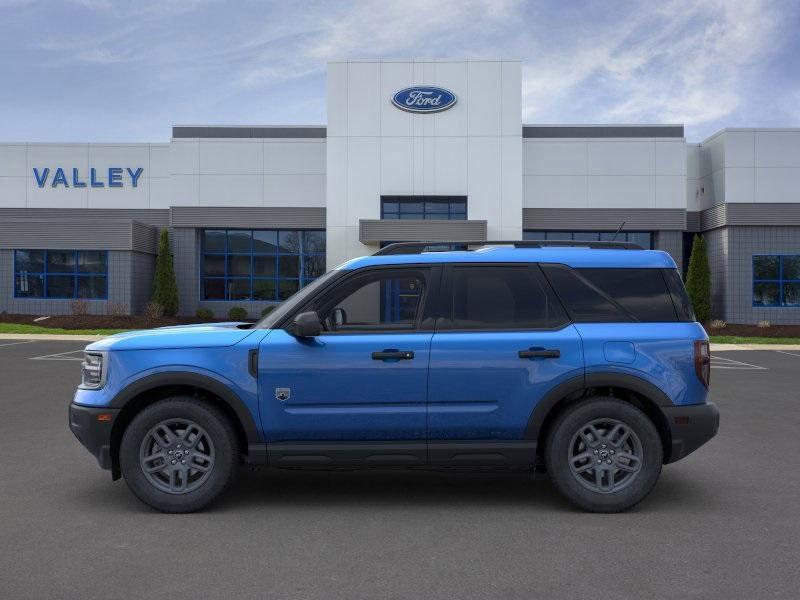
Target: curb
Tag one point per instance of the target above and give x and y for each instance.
(54, 337)
(729, 347)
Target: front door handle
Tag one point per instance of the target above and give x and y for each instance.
(540, 353)
(393, 355)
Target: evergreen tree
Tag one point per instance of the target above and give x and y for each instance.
(698, 280)
(165, 288)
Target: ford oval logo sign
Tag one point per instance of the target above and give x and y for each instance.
(424, 99)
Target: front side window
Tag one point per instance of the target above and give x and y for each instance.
(776, 280)
(259, 264)
(380, 301)
(66, 274)
(511, 298)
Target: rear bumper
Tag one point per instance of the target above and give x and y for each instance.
(691, 427)
(93, 432)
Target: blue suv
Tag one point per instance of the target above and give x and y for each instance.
(586, 361)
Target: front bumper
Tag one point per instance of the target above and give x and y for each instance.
(691, 426)
(92, 426)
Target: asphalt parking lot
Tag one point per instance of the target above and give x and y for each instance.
(723, 523)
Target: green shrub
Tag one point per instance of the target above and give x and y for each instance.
(237, 313)
(267, 310)
(698, 280)
(165, 288)
(153, 311)
(204, 313)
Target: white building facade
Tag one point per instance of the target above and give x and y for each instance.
(256, 212)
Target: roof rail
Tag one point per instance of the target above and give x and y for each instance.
(419, 247)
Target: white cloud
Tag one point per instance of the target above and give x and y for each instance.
(308, 38)
(705, 63)
(683, 62)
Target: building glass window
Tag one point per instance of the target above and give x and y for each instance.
(259, 264)
(65, 274)
(446, 208)
(642, 238)
(776, 280)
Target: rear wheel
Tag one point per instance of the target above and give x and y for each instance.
(178, 454)
(604, 454)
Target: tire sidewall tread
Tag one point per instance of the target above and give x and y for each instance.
(217, 426)
(565, 427)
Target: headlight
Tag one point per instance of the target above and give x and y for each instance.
(93, 370)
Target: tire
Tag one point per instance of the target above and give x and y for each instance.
(188, 446)
(608, 436)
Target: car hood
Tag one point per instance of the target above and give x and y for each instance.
(211, 335)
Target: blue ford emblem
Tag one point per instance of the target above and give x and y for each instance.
(424, 99)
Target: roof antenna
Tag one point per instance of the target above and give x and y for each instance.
(616, 233)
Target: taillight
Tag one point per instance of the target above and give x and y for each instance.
(702, 361)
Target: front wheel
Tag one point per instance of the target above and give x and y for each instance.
(604, 454)
(178, 454)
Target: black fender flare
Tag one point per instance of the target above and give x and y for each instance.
(170, 378)
(577, 386)
(574, 386)
(631, 382)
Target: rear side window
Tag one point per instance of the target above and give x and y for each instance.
(613, 295)
(683, 305)
(641, 292)
(585, 302)
(503, 298)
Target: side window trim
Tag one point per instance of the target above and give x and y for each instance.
(444, 321)
(681, 315)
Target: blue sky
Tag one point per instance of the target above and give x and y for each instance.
(102, 70)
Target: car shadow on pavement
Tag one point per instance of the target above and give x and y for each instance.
(383, 488)
(387, 488)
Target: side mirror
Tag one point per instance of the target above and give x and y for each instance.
(306, 325)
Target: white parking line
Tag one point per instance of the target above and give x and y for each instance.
(16, 343)
(729, 363)
(59, 356)
(787, 353)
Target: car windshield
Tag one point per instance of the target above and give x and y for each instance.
(292, 302)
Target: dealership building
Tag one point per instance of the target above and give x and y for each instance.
(413, 150)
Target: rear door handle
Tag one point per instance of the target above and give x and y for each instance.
(540, 353)
(393, 355)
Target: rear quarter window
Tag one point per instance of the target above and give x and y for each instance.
(683, 305)
(584, 302)
(613, 295)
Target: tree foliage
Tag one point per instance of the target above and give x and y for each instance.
(165, 287)
(698, 280)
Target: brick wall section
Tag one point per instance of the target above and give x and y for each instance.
(717, 250)
(186, 254)
(120, 286)
(671, 242)
(744, 242)
(143, 268)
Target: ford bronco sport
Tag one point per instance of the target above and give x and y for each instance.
(586, 361)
